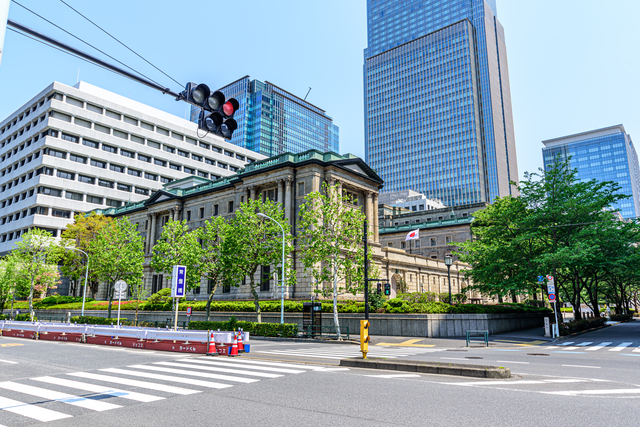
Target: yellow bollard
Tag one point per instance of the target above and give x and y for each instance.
(364, 338)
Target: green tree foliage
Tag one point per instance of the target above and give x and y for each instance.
(257, 241)
(12, 282)
(117, 254)
(331, 239)
(35, 254)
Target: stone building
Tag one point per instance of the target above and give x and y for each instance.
(286, 178)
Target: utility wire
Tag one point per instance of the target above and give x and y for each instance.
(113, 37)
(88, 44)
(64, 51)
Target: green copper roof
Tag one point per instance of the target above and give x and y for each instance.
(426, 224)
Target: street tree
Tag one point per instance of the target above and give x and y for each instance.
(117, 254)
(35, 253)
(257, 242)
(331, 241)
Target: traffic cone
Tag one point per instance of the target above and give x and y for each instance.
(240, 344)
(233, 350)
(212, 350)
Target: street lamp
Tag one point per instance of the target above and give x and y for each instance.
(261, 215)
(448, 260)
(86, 275)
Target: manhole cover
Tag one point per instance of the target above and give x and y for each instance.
(537, 354)
(451, 349)
(472, 357)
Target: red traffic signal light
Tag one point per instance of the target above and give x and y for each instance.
(217, 111)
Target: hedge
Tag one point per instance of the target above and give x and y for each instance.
(581, 325)
(258, 329)
(398, 305)
(620, 317)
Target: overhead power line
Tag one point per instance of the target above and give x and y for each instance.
(88, 44)
(113, 37)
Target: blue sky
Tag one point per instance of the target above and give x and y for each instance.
(573, 64)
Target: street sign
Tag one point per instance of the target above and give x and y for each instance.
(119, 295)
(188, 311)
(552, 297)
(551, 288)
(540, 278)
(550, 279)
(120, 286)
(178, 281)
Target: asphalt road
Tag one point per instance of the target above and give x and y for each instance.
(293, 384)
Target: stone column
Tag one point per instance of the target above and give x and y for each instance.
(368, 207)
(153, 231)
(252, 192)
(147, 240)
(287, 198)
(280, 195)
(376, 228)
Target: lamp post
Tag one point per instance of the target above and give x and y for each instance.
(260, 214)
(448, 260)
(86, 275)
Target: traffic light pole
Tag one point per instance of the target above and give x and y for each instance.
(90, 58)
(366, 271)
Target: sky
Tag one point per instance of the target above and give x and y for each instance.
(573, 64)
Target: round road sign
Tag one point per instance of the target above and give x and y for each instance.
(120, 286)
(552, 297)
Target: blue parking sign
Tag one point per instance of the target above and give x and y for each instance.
(179, 281)
(540, 278)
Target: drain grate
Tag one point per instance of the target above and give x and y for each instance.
(473, 357)
(451, 349)
(537, 354)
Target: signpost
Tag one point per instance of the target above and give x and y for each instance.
(188, 315)
(178, 287)
(551, 291)
(120, 287)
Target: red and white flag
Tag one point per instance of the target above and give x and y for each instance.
(414, 235)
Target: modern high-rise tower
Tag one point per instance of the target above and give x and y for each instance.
(438, 114)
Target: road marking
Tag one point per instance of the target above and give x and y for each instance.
(8, 361)
(511, 361)
(621, 346)
(94, 405)
(567, 343)
(189, 381)
(31, 411)
(569, 352)
(135, 383)
(285, 365)
(551, 347)
(596, 392)
(581, 366)
(599, 346)
(409, 343)
(638, 355)
(229, 363)
(140, 397)
(394, 376)
(582, 344)
(11, 344)
(570, 348)
(195, 374)
(219, 369)
(489, 382)
(567, 380)
(637, 350)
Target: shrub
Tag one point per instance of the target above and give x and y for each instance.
(97, 320)
(259, 329)
(566, 309)
(581, 325)
(4, 317)
(25, 317)
(161, 300)
(57, 299)
(535, 303)
(620, 317)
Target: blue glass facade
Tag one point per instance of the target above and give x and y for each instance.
(437, 99)
(272, 121)
(604, 155)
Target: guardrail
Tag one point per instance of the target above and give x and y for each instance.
(186, 341)
(327, 331)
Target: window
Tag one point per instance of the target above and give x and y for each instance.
(209, 161)
(86, 179)
(265, 278)
(169, 149)
(105, 183)
(203, 145)
(433, 241)
(215, 210)
(124, 187)
(134, 172)
(144, 158)
(196, 157)
(137, 139)
(73, 196)
(114, 203)
(351, 197)
(239, 157)
(69, 138)
(94, 108)
(417, 243)
(175, 167)
(109, 148)
(165, 180)
(162, 131)
(142, 191)
(230, 207)
(103, 129)
(191, 141)
(402, 245)
(75, 102)
(151, 176)
(120, 134)
(98, 163)
(201, 213)
(39, 210)
(44, 171)
(79, 159)
(116, 168)
(183, 153)
(89, 143)
(447, 239)
(94, 199)
(203, 174)
(50, 191)
(228, 153)
(189, 170)
(129, 154)
(66, 175)
(153, 144)
(145, 125)
(160, 162)
(131, 120)
(113, 115)
(177, 136)
(300, 188)
(55, 153)
(188, 215)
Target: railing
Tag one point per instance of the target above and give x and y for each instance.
(324, 331)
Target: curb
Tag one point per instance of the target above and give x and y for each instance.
(458, 369)
(581, 332)
(307, 340)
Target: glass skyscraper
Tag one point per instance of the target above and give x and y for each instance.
(272, 121)
(604, 155)
(438, 114)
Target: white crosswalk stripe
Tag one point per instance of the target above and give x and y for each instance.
(599, 346)
(566, 343)
(621, 346)
(637, 350)
(583, 344)
(589, 346)
(197, 372)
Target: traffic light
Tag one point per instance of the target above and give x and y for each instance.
(379, 290)
(364, 338)
(217, 111)
(387, 289)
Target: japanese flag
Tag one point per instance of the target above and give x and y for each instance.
(414, 235)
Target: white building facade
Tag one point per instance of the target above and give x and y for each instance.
(75, 149)
(411, 200)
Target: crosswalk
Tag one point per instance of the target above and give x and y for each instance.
(346, 351)
(595, 346)
(50, 398)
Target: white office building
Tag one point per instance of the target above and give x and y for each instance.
(74, 149)
(411, 200)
